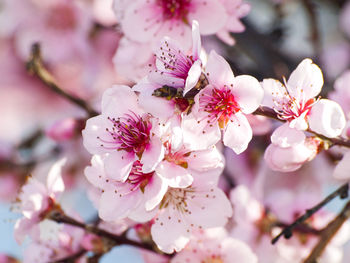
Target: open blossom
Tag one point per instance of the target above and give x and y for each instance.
(36, 200)
(148, 21)
(184, 210)
(174, 67)
(125, 133)
(129, 198)
(213, 245)
(223, 103)
(295, 101)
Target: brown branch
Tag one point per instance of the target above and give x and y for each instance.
(59, 217)
(35, 66)
(342, 192)
(270, 113)
(71, 258)
(328, 233)
(314, 31)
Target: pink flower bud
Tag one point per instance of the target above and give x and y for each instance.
(63, 130)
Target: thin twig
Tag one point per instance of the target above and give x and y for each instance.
(270, 113)
(342, 192)
(60, 217)
(328, 233)
(35, 66)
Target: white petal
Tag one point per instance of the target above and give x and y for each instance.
(218, 70)
(118, 165)
(155, 191)
(175, 175)
(248, 93)
(327, 118)
(55, 182)
(193, 75)
(153, 154)
(284, 136)
(306, 81)
(196, 40)
(273, 91)
(238, 133)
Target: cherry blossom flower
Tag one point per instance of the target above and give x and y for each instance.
(184, 210)
(223, 103)
(148, 21)
(125, 133)
(174, 67)
(213, 245)
(36, 200)
(235, 9)
(295, 101)
(130, 198)
(289, 149)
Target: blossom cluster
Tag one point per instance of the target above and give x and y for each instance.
(174, 147)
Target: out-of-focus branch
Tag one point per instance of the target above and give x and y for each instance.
(59, 217)
(328, 233)
(314, 30)
(35, 66)
(342, 192)
(270, 113)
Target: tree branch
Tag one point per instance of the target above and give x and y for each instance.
(342, 192)
(59, 217)
(35, 66)
(328, 233)
(270, 113)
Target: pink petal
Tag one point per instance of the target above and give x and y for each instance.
(155, 191)
(327, 118)
(237, 251)
(273, 91)
(153, 154)
(199, 136)
(119, 100)
(238, 133)
(284, 136)
(209, 208)
(196, 40)
(218, 70)
(306, 81)
(287, 159)
(118, 165)
(205, 12)
(248, 93)
(95, 173)
(174, 175)
(169, 231)
(226, 37)
(205, 159)
(114, 206)
(139, 21)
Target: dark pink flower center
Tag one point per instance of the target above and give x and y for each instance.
(175, 9)
(292, 109)
(130, 133)
(137, 178)
(177, 157)
(62, 17)
(220, 103)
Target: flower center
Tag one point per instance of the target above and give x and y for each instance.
(177, 198)
(138, 179)
(62, 17)
(291, 109)
(130, 133)
(175, 9)
(178, 157)
(220, 103)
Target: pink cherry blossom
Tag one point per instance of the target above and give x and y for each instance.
(235, 9)
(184, 210)
(125, 133)
(63, 130)
(36, 200)
(295, 101)
(149, 21)
(290, 152)
(222, 104)
(174, 67)
(131, 198)
(214, 245)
